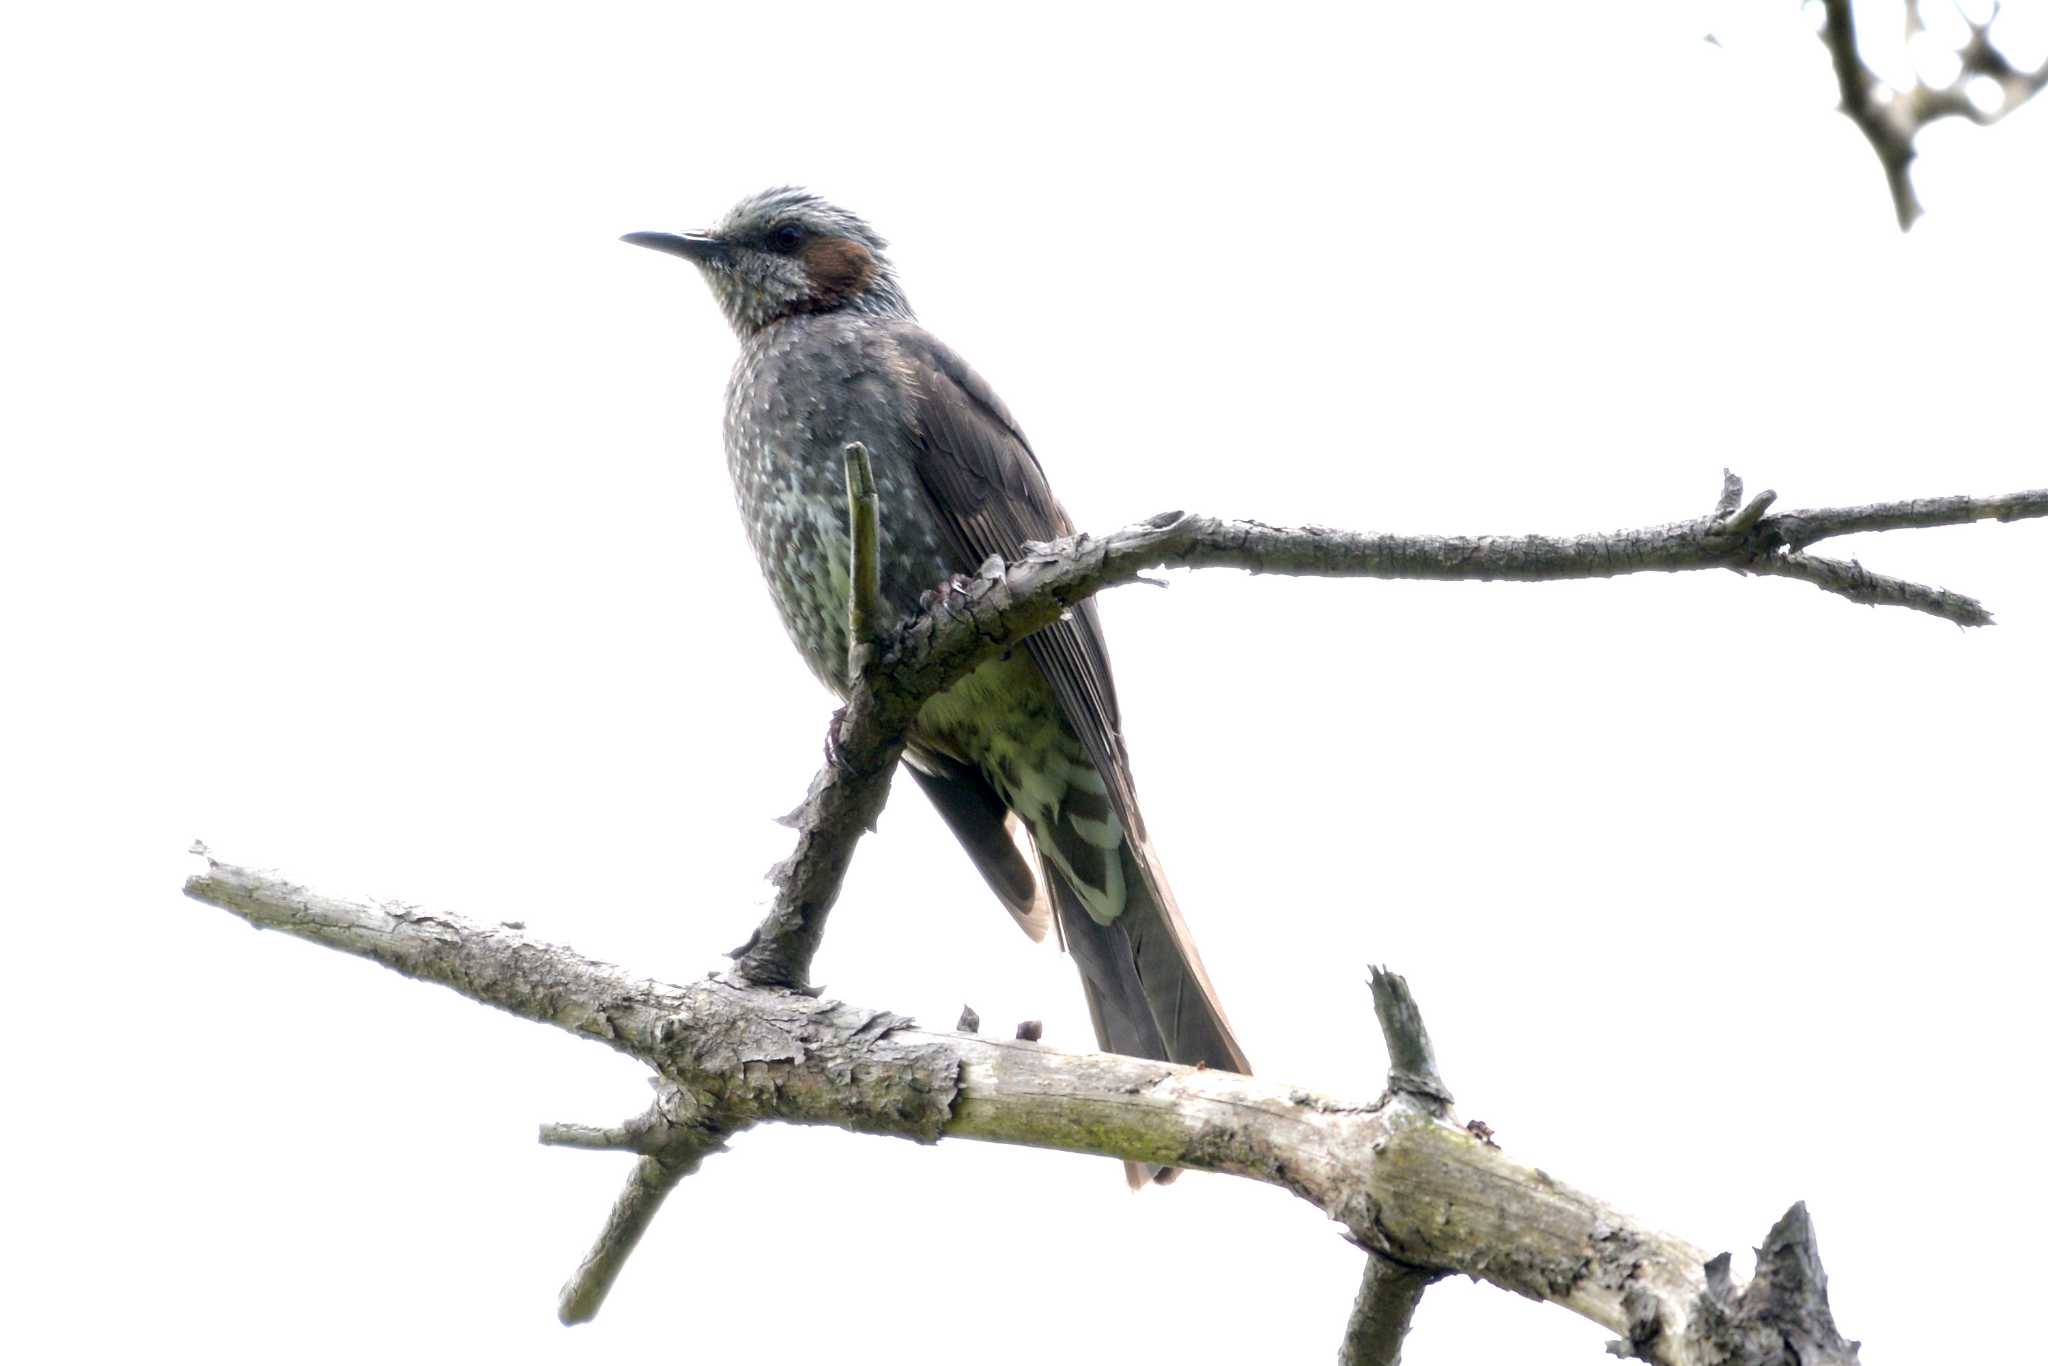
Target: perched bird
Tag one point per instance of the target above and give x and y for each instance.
(831, 353)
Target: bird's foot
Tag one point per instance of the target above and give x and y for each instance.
(834, 754)
(955, 586)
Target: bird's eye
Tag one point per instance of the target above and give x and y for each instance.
(785, 237)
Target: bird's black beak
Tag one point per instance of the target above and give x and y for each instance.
(700, 247)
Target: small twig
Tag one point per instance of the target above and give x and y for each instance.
(585, 1291)
(1891, 119)
(673, 1138)
(1731, 495)
(1411, 1062)
(1857, 584)
(1390, 1291)
(1891, 139)
(618, 1138)
(864, 601)
(1742, 522)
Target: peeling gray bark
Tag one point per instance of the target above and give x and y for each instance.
(1403, 1180)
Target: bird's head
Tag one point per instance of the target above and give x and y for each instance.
(784, 252)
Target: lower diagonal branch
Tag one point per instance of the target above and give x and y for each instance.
(632, 1212)
(1403, 1183)
(847, 796)
(673, 1138)
(845, 801)
(1848, 579)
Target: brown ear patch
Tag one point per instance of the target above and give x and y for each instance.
(839, 269)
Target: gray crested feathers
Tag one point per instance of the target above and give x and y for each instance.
(831, 353)
(762, 279)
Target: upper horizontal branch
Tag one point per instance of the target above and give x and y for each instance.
(1799, 530)
(1008, 602)
(976, 619)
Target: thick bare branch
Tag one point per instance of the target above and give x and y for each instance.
(1383, 1313)
(1402, 1183)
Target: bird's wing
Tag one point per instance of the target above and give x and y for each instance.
(991, 497)
(975, 813)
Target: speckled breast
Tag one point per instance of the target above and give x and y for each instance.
(802, 389)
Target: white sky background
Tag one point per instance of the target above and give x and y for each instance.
(366, 517)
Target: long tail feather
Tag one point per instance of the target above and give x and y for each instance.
(1183, 1002)
(1148, 995)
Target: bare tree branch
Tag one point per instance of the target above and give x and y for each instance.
(1891, 119)
(1383, 1313)
(673, 1138)
(730, 1054)
(1801, 529)
(1404, 1182)
(974, 620)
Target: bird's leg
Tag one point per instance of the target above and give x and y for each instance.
(956, 585)
(834, 755)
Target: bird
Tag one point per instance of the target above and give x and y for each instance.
(1024, 758)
